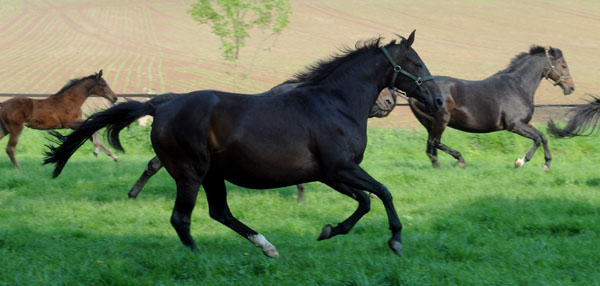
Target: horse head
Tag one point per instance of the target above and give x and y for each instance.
(415, 78)
(102, 89)
(558, 70)
(385, 103)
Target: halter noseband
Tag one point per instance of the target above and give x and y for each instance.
(552, 68)
(398, 69)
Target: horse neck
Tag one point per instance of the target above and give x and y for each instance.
(75, 95)
(530, 74)
(358, 90)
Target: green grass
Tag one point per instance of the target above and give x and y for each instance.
(489, 224)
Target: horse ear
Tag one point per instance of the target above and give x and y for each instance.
(99, 75)
(411, 39)
(551, 51)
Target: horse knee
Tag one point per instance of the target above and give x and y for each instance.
(385, 194)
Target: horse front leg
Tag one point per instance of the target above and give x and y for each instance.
(154, 165)
(538, 138)
(432, 152)
(300, 188)
(14, 134)
(364, 205)
(357, 178)
(98, 144)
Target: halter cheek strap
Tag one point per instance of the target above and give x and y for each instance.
(552, 68)
(398, 69)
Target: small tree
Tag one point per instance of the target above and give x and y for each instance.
(231, 20)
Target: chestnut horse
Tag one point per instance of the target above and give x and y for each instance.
(61, 110)
(386, 101)
(315, 132)
(503, 101)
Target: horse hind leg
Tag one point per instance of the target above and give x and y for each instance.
(181, 219)
(216, 195)
(154, 165)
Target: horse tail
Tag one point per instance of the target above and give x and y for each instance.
(586, 116)
(114, 119)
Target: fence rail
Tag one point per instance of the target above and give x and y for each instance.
(134, 95)
(46, 95)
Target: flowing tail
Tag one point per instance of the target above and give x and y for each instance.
(586, 116)
(114, 119)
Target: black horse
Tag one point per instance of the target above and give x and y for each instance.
(385, 103)
(503, 101)
(583, 122)
(315, 132)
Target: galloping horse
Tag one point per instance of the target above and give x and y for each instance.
(584, 122)
(386, 101)
(61, 110)
(315, 132)
(503, 101)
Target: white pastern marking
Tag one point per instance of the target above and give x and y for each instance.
(260, 241)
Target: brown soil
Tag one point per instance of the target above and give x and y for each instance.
(155, 43)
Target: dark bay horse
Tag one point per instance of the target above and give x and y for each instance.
(503, 101)
(315, 132)
(61, 110)
(385, 103)
(583, 121)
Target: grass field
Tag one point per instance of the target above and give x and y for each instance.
(489, 224)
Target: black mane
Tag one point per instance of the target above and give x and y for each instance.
(322, 69)
(518, 59)
(73, 82)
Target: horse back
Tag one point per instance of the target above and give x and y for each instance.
(480, 106)
(16, 110)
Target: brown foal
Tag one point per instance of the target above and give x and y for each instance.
(61, 110)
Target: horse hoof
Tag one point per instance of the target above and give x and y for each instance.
(117, 159)
(373, 196)
(519, 162)
(546, 168)
(326, 232)
(271, 252)
(95, 154)
(461, 165)
(396, 246)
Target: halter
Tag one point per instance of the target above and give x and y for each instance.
(552, 68)
(398, 69)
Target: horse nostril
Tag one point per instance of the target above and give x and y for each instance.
(439, 101)
(389, 102)
(572, 88)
